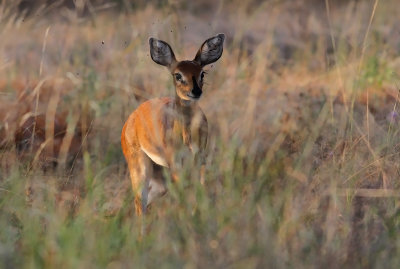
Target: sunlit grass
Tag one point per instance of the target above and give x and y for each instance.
(302, 168)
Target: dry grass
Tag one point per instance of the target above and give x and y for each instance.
(303, 160)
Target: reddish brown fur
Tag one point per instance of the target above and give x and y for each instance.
(188, 69)
(159, 128)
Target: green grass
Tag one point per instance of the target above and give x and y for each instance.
(302, 167)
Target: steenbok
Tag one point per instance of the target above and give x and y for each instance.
(159, 128)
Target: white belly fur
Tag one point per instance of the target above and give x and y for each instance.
(158, 159)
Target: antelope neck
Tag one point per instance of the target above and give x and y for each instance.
(184, 107)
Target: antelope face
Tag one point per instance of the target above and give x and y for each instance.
(188, 75)
(188, 79)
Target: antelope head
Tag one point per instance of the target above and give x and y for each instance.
(188, 75)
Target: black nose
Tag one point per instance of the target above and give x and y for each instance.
(196, 91)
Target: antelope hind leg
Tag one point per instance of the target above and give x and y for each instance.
(140, 170)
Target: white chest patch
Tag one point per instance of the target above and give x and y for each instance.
(157, 158)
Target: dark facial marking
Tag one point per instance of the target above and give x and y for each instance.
(196, 91)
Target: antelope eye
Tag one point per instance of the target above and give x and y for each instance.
(178, 76)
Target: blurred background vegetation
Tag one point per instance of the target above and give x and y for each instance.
(303, 153)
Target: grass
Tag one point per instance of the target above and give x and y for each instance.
(302, 167)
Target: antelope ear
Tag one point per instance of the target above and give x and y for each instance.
(161, 52)
(211, 50)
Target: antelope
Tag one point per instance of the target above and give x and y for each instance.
(161, 127)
